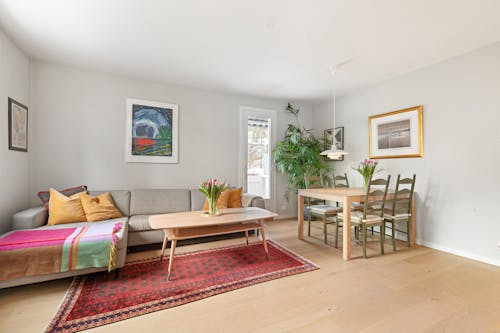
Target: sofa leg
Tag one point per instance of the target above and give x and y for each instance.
(117, 273)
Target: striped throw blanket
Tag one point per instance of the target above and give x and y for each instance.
(36, 252)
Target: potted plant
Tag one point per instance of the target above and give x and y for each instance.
(298, 155)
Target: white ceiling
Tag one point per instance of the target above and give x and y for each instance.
(280, 48)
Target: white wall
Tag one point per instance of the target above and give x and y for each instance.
(79, 132)
(458, 179)
(14, 165)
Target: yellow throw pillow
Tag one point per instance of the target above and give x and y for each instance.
(99, 208)
(235, 198)
(63, 209)
(222, 202)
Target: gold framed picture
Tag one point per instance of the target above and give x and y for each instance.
(397, 134)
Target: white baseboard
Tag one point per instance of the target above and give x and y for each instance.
(486, 260)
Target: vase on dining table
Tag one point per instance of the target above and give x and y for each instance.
(366, 182)
(367, 168)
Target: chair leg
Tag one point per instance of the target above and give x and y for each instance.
(382, 237)
(308, 224)
(408, 233)
(372, 231)
(336, 232)
(324, 229)
(364, 239)
(393, 234)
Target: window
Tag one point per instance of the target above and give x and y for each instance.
(257, 138)
(258, 157)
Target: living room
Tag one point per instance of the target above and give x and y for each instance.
(74, 77)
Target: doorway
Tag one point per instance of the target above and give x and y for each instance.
(257, 138)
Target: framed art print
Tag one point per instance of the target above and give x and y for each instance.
(18, 126)
(334, 137)
(397, 134)
(152, 132)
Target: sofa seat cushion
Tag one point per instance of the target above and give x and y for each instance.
(138, 223)
(122, 234)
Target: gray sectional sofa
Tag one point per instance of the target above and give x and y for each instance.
(136, 207)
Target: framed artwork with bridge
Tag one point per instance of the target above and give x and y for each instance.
(152, 132)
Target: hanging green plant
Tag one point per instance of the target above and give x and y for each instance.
(298, 155)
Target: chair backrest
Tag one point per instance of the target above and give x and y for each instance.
(313, 181)
(376, 194)
(403, 195)
(340, 181)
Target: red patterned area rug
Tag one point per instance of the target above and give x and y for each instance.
(142, 287)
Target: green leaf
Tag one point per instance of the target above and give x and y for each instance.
(297, 155)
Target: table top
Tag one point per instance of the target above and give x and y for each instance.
(333, 193)
(346, 191)
(199, 219)
(337, 194)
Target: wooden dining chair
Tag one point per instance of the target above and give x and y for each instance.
(320, 209)
(372, 214)
(399, 210)
(314, 182)
(340, 181)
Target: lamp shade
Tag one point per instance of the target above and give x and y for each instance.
(333, 153)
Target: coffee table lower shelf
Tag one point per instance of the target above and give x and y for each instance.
(175, 234)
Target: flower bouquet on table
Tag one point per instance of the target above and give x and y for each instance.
(367, 168)
(212, 189)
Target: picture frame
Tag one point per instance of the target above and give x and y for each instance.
(18, 125)
(397, 134)
(338, 138)
(152, 132)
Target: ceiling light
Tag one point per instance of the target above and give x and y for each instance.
(333, 153)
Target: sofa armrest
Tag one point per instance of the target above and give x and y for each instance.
(252, 200)
(30, 218)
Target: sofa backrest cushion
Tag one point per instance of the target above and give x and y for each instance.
(159, 201)
(121, 198)
(197, 199)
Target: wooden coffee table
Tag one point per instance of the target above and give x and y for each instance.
(195, 224)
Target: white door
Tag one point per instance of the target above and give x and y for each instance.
(257, 139)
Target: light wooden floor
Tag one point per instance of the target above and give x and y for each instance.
(417, 290)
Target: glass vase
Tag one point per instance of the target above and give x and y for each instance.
(212, 206)
(366, 182)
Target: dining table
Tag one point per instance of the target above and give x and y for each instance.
(346, 196)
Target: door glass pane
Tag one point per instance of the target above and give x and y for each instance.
(258, 158)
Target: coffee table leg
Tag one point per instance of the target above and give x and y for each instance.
(246, 235)
(164, 246)
(171, 260)
(264, 242)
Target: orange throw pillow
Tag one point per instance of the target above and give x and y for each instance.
(228, 199)
(222, 202)
(63, 209)
(99, 208)
(235, 198)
